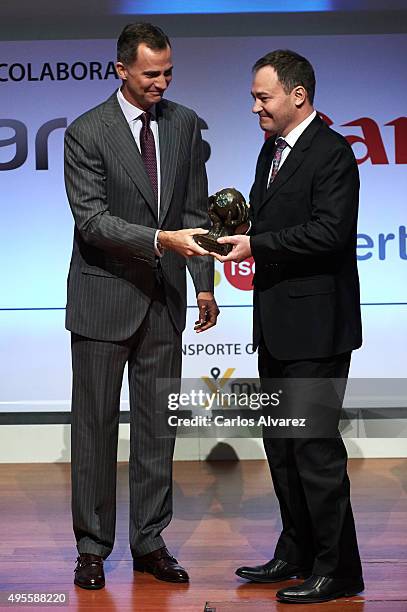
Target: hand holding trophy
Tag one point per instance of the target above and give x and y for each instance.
(229, 215)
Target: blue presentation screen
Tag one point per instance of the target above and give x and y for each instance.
(151, 7)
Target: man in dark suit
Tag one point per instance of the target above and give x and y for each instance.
(304, 206)
(136, 181)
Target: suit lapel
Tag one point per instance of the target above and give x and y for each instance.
(264, 169)
(169, 134)
(120, 139)
(294, 159)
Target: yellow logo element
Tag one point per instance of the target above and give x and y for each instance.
(218, 278)
(215, 385)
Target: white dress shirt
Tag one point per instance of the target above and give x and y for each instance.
(292, 138)
(133, 117)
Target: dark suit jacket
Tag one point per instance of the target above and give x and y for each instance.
(303, 239)
(113, 266)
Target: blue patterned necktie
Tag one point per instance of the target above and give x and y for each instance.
(280, 146)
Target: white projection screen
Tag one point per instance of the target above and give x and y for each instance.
(45, 84)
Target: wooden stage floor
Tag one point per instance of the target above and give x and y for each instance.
(225, 516)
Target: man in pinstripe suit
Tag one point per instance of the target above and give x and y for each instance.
(136, 181)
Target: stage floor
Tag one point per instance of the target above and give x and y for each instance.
(225, 515)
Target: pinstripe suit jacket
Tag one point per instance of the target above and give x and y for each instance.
(113, 265)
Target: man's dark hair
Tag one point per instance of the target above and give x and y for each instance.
(292, 70)
(136, 33)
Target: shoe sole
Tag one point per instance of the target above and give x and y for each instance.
(90, 587)
(142, 569)
(320, 599)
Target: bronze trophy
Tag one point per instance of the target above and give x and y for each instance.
(229, 214)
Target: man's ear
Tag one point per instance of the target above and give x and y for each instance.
(300, 95)
(121, 71)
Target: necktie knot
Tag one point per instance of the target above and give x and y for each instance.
(145, 119)
(281, 144)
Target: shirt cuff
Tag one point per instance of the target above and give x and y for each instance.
(159, 252)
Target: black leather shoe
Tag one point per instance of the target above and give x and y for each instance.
(275, 570)
(89, 572)
(321, 588)
(162, 565)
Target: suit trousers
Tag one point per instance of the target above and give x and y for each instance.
(310, 478)
(153, 352)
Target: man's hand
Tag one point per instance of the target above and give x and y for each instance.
(182, 241)
(241, 248)
(208, 311)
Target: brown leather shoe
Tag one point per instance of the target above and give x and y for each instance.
(162, 565)
(89, 572)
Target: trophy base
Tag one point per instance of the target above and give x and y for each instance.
(210, 244)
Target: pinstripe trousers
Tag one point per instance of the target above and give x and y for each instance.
(153, 352)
